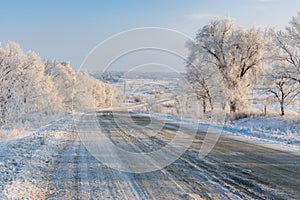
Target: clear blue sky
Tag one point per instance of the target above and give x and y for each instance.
(68, 30)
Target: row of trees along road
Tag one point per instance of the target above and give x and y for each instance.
(225, 61)
(32, 89)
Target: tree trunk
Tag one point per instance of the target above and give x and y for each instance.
(211, 104)
(204, 106)
(282, 108)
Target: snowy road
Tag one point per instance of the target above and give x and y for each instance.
(71, 172)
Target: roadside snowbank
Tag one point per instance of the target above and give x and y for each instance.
(285, 130)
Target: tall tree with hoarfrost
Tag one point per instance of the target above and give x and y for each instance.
(236, 53)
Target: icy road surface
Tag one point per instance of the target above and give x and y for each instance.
(54, 164)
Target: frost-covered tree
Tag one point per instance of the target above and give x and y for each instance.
(203, 78)
(63, 77)
(283, 89)
(236, 53)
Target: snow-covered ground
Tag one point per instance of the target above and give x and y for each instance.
(275, 132)
(26, 159)
(272, 128)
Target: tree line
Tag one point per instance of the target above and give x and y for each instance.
(33, 89)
